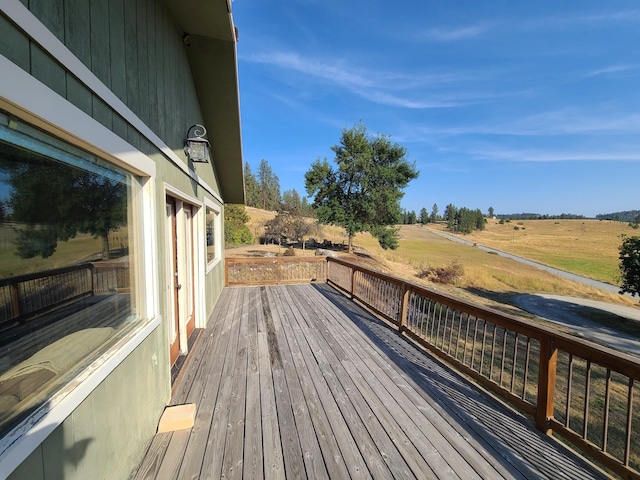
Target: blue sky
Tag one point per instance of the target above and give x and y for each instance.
(522, 106)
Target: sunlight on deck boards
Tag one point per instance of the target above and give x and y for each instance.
(299, 382)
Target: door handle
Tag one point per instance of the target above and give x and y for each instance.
(178, 287)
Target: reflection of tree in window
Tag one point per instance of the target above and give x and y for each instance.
(61, 304)
(55, 201)
(210, 232)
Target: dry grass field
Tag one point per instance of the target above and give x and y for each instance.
(573, 245)
(585, 247)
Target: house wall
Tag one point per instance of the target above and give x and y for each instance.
(136, 51)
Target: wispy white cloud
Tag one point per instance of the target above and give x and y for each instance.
(379, 86)
(551, 123)
(531, 155)
(337, 72)
(598, 18)
(616, 70)
(456, 34)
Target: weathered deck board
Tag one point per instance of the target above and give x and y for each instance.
(299, 382)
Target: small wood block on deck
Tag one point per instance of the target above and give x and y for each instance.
(177, 417)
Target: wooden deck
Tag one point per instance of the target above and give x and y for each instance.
(299, 382)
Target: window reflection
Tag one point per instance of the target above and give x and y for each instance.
(211, 231)
(67, 276)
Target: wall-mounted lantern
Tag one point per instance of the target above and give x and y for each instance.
(197, 148)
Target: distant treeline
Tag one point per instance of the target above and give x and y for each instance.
(627, 216)
(538, 216)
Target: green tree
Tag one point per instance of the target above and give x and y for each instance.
(424, 216)
(291, 202)
(269, 187)
(434, 213)
(630, 265)
(251, 188)
(490, 212)
(290, 227)
(480, 221)
(363, 192)
(450, 213)
(236, 232)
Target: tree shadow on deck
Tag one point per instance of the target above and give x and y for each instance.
(509, 437)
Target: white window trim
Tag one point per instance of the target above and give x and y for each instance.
(218, 229)
(35, 103)
(39, 33)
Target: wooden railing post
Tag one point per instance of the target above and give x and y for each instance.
(353, 282)
(91, 278)
(226, 272)
(15, 300)
(546, 383)
(402, 322)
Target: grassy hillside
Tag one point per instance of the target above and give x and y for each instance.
(489, 278)
(585, 247)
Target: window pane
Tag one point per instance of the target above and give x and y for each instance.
(212, 231)
(67, 264)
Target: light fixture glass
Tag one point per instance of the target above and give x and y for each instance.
(197, 148)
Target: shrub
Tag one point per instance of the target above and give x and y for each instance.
(445, 275)
(289, 252)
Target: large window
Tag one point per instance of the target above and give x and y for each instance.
(68, 263)
(213, 234)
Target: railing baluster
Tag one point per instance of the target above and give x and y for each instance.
(493, 351)
(568, 402)
(466, 340)
(444, 329)
(484, 337)
(627, 440)
(526, 370)
(439, 322)
(473, 345)
(458, 335)
(587, 390)
(605, 420)
(453, 321)
(504, 352)
(515, 361)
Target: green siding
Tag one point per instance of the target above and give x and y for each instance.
(100, 40)
(51, 14)
(135, 49)
(14, 44)
(117, 68)
(108, 433)
(47, 70)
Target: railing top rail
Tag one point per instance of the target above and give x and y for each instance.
(607, 357)
(42, 273)
(275, 259)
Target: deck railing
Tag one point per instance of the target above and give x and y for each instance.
(579, 390)
(24, 296)
(583, 392)
(274, 270)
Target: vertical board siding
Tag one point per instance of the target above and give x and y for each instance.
(77, 30)
(152, 101)
(133, 47)
(51, 14)
(142, 66)
(13, 44)
(117, 68)
(100, 57)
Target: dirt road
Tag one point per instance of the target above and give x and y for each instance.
(565, 311)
